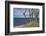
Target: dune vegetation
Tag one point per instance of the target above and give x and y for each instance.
(33, 23)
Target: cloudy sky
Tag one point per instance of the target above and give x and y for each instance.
(18, 12)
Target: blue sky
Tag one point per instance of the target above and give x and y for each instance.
(18, 12)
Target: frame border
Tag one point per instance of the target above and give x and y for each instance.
(7, 17)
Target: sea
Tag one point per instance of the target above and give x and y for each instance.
(20, 21)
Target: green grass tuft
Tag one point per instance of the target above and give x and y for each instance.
(34, 23)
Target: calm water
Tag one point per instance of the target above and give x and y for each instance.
(19, 21)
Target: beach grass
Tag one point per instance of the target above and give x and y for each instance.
(34, 23)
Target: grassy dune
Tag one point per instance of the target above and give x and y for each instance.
(34, 23)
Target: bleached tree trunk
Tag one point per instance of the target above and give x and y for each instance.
(25, 16)
(36, 13)
(31, 14)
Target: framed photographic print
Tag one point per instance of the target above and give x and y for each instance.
(24, 17)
